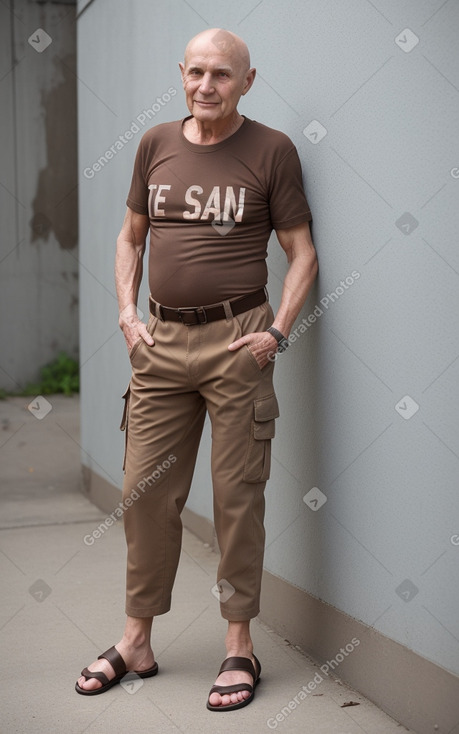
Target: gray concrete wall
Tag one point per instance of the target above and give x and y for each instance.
(38, 191)
(362, 505)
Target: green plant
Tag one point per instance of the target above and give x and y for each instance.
(59, 376)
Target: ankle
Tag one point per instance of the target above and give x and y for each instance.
(239, 647)
(137, 632)
(238, 641)
(135, 640)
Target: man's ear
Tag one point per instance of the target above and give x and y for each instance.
(182, 70)
(249, 80)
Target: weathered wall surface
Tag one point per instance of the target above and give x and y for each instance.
(38, 191)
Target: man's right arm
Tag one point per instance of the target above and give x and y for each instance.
(130, 249)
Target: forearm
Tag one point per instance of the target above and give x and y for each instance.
(297, 284)
(128, 273)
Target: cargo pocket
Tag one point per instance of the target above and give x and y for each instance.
(125, 421)
(258, 457)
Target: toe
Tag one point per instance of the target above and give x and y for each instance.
(89, 684)
(215, 699)
(239, 696)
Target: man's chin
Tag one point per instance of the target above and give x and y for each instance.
(208, 109)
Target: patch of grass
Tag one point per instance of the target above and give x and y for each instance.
(59, 376)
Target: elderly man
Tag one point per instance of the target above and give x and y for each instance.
(211, 189)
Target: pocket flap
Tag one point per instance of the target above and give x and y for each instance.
(264, 431)
(266, 408)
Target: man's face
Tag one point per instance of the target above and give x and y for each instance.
(214, 81)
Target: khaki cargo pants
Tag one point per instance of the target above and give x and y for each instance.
(188, 372)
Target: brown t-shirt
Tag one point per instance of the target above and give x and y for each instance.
(212, 209)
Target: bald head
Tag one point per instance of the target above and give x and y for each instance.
(215, 74)
(223, 43)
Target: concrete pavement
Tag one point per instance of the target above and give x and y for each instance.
(62, 604)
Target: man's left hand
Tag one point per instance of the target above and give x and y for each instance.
(262, 344)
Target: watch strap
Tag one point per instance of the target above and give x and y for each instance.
(282, 341)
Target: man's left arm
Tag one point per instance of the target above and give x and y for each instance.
(301, 255)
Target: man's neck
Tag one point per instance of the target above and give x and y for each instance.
(209, 133)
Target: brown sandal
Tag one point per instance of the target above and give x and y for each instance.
(237, 664)
(121, 673)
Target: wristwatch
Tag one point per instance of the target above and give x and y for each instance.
(282, 341)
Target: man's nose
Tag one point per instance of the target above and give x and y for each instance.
(206, 86)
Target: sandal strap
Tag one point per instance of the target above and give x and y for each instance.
(236, 663)
(115, 660)
(97, 674)
(231, 689)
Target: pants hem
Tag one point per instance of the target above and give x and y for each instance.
(148, 612)
(239, 616)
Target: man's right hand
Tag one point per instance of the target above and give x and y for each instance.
(133, 328)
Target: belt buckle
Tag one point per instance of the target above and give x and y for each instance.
(199, 314)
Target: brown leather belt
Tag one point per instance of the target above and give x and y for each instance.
(192, 316)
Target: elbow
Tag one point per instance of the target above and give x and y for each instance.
(130, 242)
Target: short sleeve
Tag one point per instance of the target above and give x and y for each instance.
(137, 199)
(287, 201)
